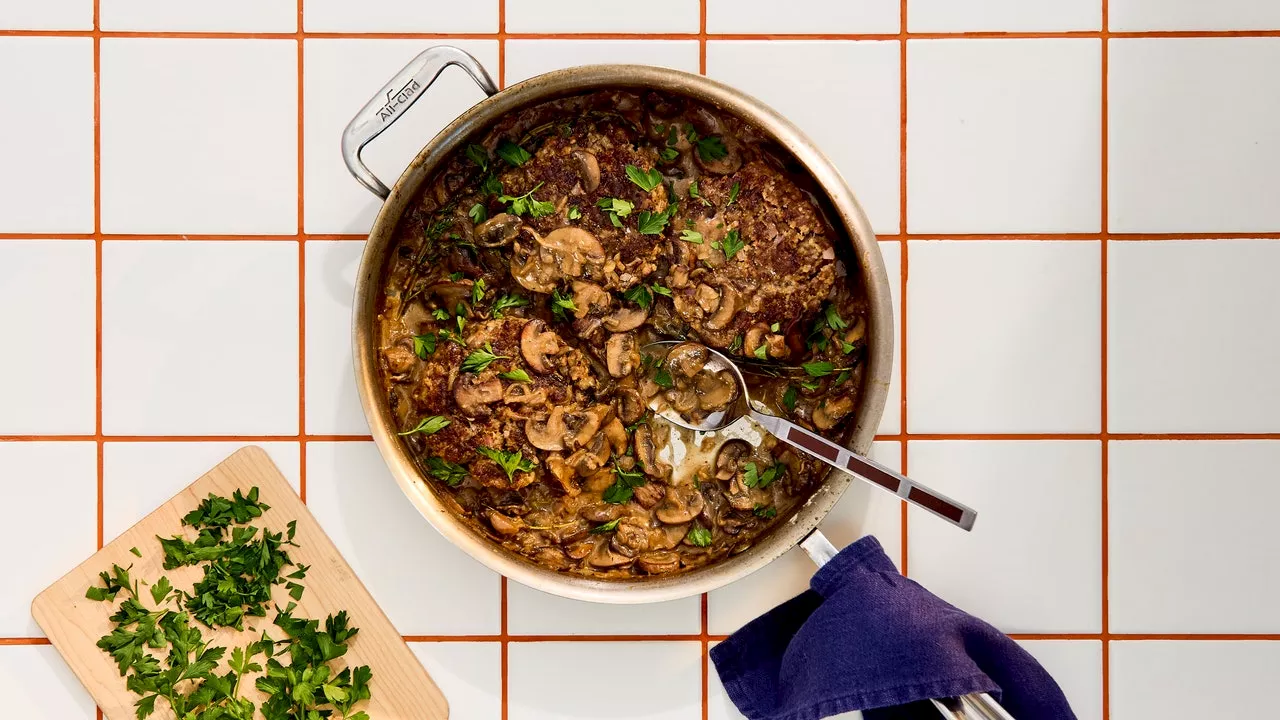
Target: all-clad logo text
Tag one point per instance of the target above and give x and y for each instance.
(397, 98)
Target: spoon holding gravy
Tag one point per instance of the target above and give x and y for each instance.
(699, 388)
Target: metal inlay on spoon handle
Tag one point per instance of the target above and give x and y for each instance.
(875, 473)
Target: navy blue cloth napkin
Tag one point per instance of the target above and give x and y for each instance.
(865, 638)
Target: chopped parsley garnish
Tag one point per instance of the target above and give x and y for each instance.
(506, 302)
(660, 290)
(842, 377)
(136, 552)
(733, 193)
(662, 378)
(834, 321)
(689, 133)
(790, 396)
(711, 148)
(574, 212)
(517, 375)
(491, 186)
(607, 527)
(768, 512)
(667, 155)
(512, 153)
(451, 474)
(847, 348)
(478, 155)
(424, 345)
(560, 304)
(698, 536)
(478, 214)
(478, 360)
(624, 484)
(775, 327)
(527, 204)
(477, 291)
(753, 477)
(646, 180)
(653, 223)
(615, 208)
(691, 236)
(510, 462)
(819, 368)
(762, 352)
(736, 345)
(731, 244)
(810, 385)
(640, 295)
(696, 194)
(429, 425)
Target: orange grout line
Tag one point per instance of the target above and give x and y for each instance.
(902, 266)
(505, 647)
(97, 268)
(1104, 225)
(186, 438)
(969, 35)
(502, 83)
(302, 279)
(1003, 437)
(702, 68)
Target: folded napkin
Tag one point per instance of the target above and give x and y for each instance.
(866, 638)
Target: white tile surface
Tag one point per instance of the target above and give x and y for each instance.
(194, 15)
(1033, 561)
(526, 58)
(47, 383)
(400, 16)
(47, 15)
(531, 612)
(54, 150)
(862, 510)
(333, 407)
(1191, 145)
(891, 420)
(340, 77)
(1004, 15)
(1221, 679)
(138, 477)
(1004, 336)
(570, 16)
(1189, 348)
(857, 122)
(1076, 665)
(200, 338)
(1219, 578)
(53, 519)
(439, 590)
(540, 688)
(803, 16)
(1192, 15)
(38, 685)
(469, 675)
(230, 166)
(1004, 136)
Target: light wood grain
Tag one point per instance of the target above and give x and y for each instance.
(401, 688)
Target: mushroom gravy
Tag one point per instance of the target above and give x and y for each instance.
(530, 271)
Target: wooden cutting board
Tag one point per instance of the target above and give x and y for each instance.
(401, 688)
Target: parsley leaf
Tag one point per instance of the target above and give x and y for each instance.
(733, 193)
(560, 304)
(736, 345)
(478, 155)
(624, 484)
(478, 360)
(615, 208)
(790, 396)
(513, 153)
(753, 477)
(731, 244)
(491, 186)
(768, 512)
(574, 212)
(819, 368)
(762, 352)
(477, 291)
(834, 321)
(506, 302)
(424, 345)
(640, 295)
(691, 236)
(695, 193)
(653, 223)
(667, 155)
(607, 527)
(510, 462)
(646, 180)
(449, 473)
(160, 590)
(698, 536)
(711, 148)
(429, 425)
(528, 204)
(660, 290)
(842, 377)
(478, 214)
(517, 375)
(662, 378)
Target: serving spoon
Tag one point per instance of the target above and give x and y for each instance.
(810, 443)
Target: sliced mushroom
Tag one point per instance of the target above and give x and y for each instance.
(502, 524)
(755, 337)
(474, 395)
(682, 400)
(588, 169)
(518, 393)
(626, 318)
(667, 537)
(616, 434)
(587, 426)
(631, 537)
(497, 231)
(856, 331)
(552, 557)
(658, 562)
(646, 452)
(604, 557)
(707, 297)
(564, 474)
(580, 549)
(687, 359)
(399, 359)
(591, 457)
(730, 457)
(629, 407)
(620, 354)
(716, 391)
(547, 434)
(681, 505)
(730, 303)
(588, 296)
(567, 252)
(832, 410)
(537, 343)
(777, 347)
(649, 494)
(601, 512)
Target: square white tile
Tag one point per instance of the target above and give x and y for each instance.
(531, 612)
(803, 16)
(468, 673)
(401, 16)
(720, 707)
(1033, 562)
(540, 688)
(862, 510)
(1222, 679)
(47, 15)
(526, 58)
(1220, 577)
(230, 166)
(1191, 144)
(47, 373)
(138, 477)
(1004, 336)
(1004, 136)
(424, 584)
(200, 338)
(51, 491)
(192, 15)
(341, 76)
(51, 144)
(38, 685)
(891, 420)
(1076, 665)
(333, 407)
(585, 16)
(1127, 15)
(857, 125)
(1003, 15)
(1189, 346)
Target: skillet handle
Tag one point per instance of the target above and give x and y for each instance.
(397, 96)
